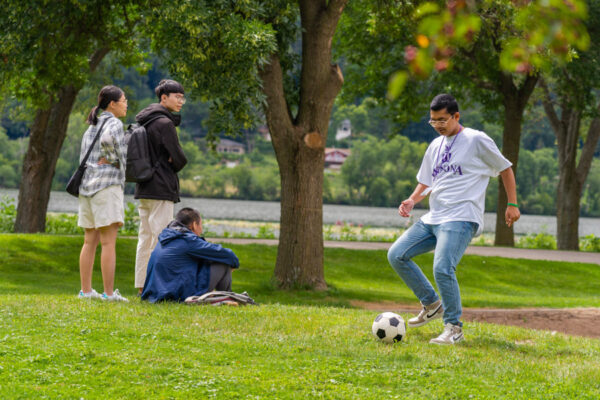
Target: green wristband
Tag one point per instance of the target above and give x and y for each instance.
(513, 204)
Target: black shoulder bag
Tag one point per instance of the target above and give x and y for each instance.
(75, 181)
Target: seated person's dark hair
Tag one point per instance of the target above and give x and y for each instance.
(187, 215)
(446, 101)
(168, 86)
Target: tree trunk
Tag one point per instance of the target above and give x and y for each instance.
(46, 137)
(572, 175)
(515, 100)
(299, 145)
(511, 139)
(567, 208)
(45, 141)
(300, 253)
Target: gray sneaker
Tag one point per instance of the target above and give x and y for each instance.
(452, 334)
(429, 313)
(90, 295)
(116, 296)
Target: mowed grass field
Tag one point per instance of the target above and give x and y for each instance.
(294, 345)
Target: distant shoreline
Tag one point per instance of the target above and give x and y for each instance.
(269, 211)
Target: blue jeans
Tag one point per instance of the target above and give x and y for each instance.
(450, 240)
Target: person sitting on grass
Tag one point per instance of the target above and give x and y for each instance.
(183, 264)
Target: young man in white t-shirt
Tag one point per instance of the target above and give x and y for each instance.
(455, 171)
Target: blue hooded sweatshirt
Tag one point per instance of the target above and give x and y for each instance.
(179, 266)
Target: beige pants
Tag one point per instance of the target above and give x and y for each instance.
(155, 215)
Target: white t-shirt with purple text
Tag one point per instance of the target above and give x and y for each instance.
(457, 170)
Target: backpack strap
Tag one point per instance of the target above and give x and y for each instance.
(87, 155)
(152, 120)
(150, 149)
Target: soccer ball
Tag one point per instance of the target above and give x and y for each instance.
(389, 327)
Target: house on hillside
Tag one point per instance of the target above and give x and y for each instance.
(334, 158)
(263, 130)
(230, 146)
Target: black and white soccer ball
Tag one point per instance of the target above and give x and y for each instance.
(389, 327)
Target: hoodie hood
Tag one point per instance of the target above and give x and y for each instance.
(174, 230)
(154, 110)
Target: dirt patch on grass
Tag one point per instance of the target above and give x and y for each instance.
(572, 321)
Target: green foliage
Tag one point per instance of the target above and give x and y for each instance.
(540, 241)
(8, 214)
(217, 51)
(381, 172)
(132, 220)
(62, 224)
(265, 232)
(554, 28)
(48, 45)
(590, 243)
(11, 153)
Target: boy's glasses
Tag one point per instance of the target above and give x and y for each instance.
(180, 99)
(441, 122)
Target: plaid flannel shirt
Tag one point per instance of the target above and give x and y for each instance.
(110, 145)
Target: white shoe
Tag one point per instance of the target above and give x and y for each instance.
(89, 295)
(452, 334)
(428, 313)
(116, 296)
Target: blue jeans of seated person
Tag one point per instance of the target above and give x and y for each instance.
(450, 240)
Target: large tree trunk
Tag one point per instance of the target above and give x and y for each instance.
(567, 208)
(515, 100)
(300, 253)
(299, 145)
(569, 186)
(572, 175)
(46, 137)
(45, 141)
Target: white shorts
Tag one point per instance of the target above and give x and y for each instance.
(102, 209)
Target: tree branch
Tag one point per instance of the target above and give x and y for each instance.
(97, 57)
(527, 88)
(589, 147)
(277, 111)
(549, 107)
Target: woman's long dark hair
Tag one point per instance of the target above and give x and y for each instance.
(107, 94)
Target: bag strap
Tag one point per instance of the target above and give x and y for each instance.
(87, 155)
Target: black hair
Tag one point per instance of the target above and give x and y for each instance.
(446, 101)
(107, 94)
(168, 86)
(188, 215)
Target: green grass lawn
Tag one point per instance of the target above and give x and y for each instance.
(295, 345)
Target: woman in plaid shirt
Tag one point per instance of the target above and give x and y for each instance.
(101, 211)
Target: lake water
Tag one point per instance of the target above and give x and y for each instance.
(373, 216)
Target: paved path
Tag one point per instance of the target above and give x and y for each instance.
(509, 252)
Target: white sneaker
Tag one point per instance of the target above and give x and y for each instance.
(90, 295)
(429, 313)
(452, 334)
(116, 296)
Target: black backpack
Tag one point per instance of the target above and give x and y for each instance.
(139, 167)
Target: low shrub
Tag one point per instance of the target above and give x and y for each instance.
(590, 243)
(62, 224)
(8, 214)
(542, 240)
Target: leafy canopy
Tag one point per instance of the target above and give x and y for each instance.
(217, 49)
(46, 45)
